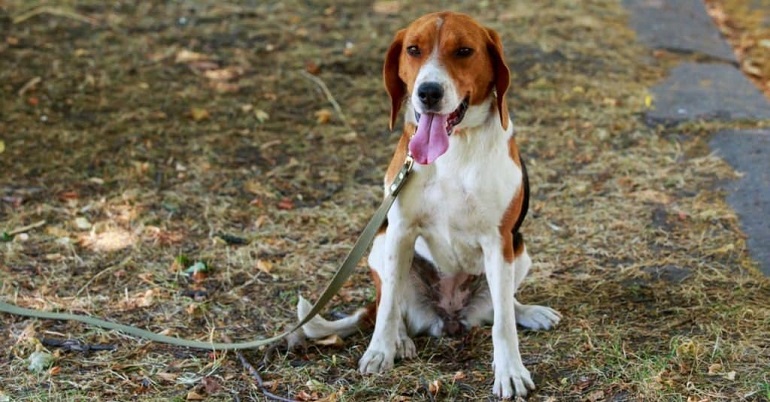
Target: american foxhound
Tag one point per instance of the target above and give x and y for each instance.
(450, 255)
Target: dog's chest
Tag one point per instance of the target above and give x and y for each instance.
(457, 212)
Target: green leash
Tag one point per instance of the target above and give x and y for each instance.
(342, 274)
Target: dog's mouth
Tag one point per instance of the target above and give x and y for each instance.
(454, 118)
(431, 139)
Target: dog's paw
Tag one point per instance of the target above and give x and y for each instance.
(536, 317)
(512, 379)
(405, 348)
(375, 361)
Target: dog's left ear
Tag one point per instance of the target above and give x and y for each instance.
(393, 84)
(502, 74)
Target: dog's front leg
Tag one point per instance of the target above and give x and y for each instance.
(510, 374)
(391, 258)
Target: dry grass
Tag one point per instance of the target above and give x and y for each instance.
(748, 31)
(134, 159)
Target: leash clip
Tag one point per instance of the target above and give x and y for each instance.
(400, 178)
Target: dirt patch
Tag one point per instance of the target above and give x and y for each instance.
(159, 128)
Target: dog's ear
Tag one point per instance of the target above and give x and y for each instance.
(502, 74)
(393, 84)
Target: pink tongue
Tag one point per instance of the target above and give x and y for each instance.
(431, 139)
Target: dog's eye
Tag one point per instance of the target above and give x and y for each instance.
(463, 52)
(413, 51)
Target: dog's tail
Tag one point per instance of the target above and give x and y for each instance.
(318, 327)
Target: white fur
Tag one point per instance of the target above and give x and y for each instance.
(318, 327)
(434, 71)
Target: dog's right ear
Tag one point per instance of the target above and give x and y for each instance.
(393, 84)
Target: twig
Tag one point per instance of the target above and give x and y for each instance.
(74, 345)
(255, 375)
(102, 272)
(329, 97)
(29, 85)
(52, 10)
(27, 228)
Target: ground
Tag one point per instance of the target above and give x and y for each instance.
(139, 138)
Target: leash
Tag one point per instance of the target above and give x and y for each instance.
(339, 278)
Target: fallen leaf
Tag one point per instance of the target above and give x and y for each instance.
(387, 7)
(333, 341)
(272, 385)
(82, 223)
(285, 204)
(194, 396)
(187, 56)
(323, 116)
(39, 361)
(751, 68)
(199, 114)
(68, 195)
(109, 240)
(2, 146)
(211, 385)
(312, 68)
(434, 387)
(715, 368)
(261, 115)
(264, 266)
(224, 74)
(459, 376)
(199, 266)
(224, 87)
(168, 377)
(304, 396)
(198, 67)
(54, 370)
(730, 375)
(147, 299)
(199, 276)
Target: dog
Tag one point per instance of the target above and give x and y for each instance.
(450, 255)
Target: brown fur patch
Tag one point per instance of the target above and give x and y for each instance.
(517, 207)
(400, 155)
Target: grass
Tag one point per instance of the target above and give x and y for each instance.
(135, 153)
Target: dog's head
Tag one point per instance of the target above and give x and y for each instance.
(445, 63)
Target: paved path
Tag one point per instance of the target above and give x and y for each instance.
(712, 90)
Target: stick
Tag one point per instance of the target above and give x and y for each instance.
(329, 97)
(29, 85)
(51, 10)
(255, 375)
(27, 228)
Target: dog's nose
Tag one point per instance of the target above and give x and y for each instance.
(430, 94)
